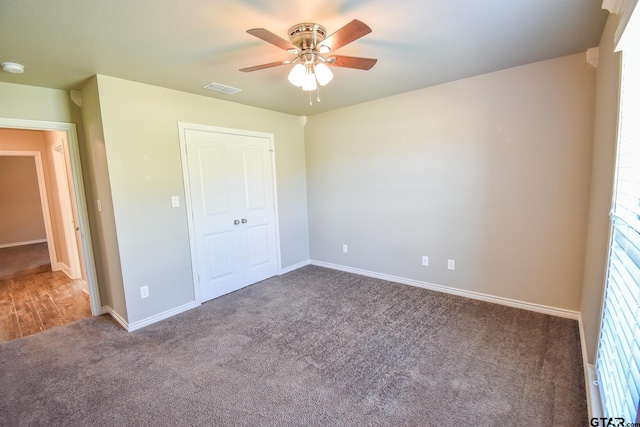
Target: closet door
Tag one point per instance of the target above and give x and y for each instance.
(233, 210)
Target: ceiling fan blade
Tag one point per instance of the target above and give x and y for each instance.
(345, 35)
(263, 66)
(352, 62)
(269, 37)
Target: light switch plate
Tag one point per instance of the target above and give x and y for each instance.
(175, 201)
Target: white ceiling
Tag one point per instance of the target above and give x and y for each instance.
(186, 44)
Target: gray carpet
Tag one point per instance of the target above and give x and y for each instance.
(21, 260)
(311, 347)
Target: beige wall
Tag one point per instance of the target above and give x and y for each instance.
(97, 187)
(604, 151)
(140, 124)
(21, 217)
(492, 171)
(34, 103)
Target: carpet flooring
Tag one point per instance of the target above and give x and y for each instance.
(25, 259)
(311, 347)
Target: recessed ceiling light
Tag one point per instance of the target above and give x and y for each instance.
(13, 67)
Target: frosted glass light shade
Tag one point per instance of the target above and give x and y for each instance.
(323, 74)
(297, 75)
(309, 81)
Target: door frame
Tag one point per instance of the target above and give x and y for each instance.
(182, 128)
(78, 191)
(59, 162)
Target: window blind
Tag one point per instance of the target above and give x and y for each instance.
(618, 359)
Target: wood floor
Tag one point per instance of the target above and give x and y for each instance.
(34, 299)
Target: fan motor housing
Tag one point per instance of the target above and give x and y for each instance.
(307, 35)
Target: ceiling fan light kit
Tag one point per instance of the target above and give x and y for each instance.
(308, 41)
(305, 76)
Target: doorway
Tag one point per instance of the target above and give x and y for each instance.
(26, 232)
(231, 202)
(76, 208)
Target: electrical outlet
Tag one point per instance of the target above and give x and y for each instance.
(345, 249)
(451, 264)
(144, 292)
(175, 201)
(425, 260)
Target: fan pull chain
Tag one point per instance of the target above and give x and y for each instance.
(317, 98)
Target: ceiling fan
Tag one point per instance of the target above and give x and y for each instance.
(314, 51)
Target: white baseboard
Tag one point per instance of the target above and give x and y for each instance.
(111, 312)
(294, 267)
(28, 242)
(538, 308)
(61, 266)
(161, 316)
(130, 327)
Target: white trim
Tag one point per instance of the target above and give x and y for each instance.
(538, 308)
(293, 267)
(594, 402)
(594, 407)
(593, 56)
(625, 9)
(59, 162)
(161, 316)
(61, 266)
(130, 327)
(27, 242)
(187, 205)
(276, 212)
(613, 6)
(182, 128)
(593, 392)
(111, 312)
(78, 189)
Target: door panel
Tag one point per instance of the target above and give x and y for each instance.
(219, 250)
(232, 198)
(211, 165)
(254, 173)
(258, 243)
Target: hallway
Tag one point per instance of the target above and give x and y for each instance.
(32, 297)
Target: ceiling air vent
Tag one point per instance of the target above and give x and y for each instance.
(221, 88)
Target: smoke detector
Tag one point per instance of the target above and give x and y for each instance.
(13, 67)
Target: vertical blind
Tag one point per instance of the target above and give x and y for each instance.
(618, 360)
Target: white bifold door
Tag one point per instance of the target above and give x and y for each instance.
(230, 183)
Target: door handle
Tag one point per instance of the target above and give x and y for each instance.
(236, 222)
(244, 220)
